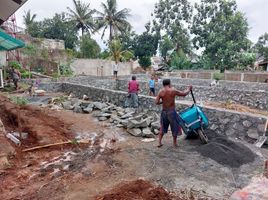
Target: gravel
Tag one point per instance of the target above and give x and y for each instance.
(227, 152)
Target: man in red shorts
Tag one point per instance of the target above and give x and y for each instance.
(169, 115)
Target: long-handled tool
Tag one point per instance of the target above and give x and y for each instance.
(262, 139)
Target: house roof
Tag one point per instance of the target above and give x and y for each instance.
(9, 7)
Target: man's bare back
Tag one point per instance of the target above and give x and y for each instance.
(167, 97)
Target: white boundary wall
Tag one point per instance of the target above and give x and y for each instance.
(98, 67)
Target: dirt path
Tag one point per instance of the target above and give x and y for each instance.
(85, 172)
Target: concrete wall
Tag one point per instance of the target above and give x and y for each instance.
(2, 59)
(98, 67)
(258, 76)
(229, 123)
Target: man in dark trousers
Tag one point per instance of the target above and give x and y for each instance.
(169, 115)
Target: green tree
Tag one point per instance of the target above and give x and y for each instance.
(28, 19)
(60, 28)
(145, 45)
(222, 31)
(113, 19)
(179, 61)
(82, 16)
(262, 46)
(145, 62)
(172, 17)
(89, 48)
(116, 52)
(165, 46)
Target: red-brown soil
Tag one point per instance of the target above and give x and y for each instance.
(137, 190)
(42, 129)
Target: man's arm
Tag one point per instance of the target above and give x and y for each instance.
(183, 93)
(158, 98)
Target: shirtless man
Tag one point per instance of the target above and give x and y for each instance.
(169, 115)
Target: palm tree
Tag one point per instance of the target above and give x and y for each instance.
(82, 16)
(116, 52)
(115, 20)
(28, 19)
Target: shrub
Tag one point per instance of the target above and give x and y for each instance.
(218, 76)
(145, 62)
(15, 65)
(26, 74)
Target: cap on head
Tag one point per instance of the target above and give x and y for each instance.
(166, 82)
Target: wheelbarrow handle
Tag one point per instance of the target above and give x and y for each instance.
(192, 94)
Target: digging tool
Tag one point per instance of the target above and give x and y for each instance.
(262, 139)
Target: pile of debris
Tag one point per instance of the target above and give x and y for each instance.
(139, 124)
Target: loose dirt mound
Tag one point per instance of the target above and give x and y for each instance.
(42, 129)
(137, 190)
(227, 152)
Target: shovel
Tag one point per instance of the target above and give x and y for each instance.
(262, 139)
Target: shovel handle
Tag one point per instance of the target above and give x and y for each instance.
(192, 94)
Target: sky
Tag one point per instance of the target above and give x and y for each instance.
(255, 11)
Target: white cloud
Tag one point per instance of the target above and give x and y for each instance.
(141, 12)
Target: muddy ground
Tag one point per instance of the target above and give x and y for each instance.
(94, 170)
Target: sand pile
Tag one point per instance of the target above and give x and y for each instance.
(227, 152)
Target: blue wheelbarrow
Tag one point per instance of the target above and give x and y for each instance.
(194, 121)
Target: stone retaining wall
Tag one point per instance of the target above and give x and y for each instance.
(223, 122)
(253, 99)
(245, 86)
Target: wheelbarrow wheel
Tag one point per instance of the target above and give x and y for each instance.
(203, 137)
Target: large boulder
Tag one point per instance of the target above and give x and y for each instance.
(135, 132)
(137, 124)
(77, 109)
(67, 105)
(99, 105)
(88, 109)
(146, 132)
(156, 125)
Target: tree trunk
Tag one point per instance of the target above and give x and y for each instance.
(111, 32)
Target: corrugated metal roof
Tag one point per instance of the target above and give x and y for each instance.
(9, 7)
(8, 43)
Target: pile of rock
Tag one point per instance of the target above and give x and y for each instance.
(139, 124)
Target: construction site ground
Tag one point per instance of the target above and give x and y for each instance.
(113, 164)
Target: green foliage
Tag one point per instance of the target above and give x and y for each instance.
(15, 65)
(145, 45)
(222, 31)
(173, 17)
(145, 62)
(82, 16)
(26, 74)
(89, 48)
(165, 45)
(205, 62)
(28, 19)
(57, 27)
(262, 46)
(112, 19)
(65, 70)
(246, 59)
(218, 76)
(104, 54)
(179, 61)
(116, 52)
(19, 100)
(30, 50)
